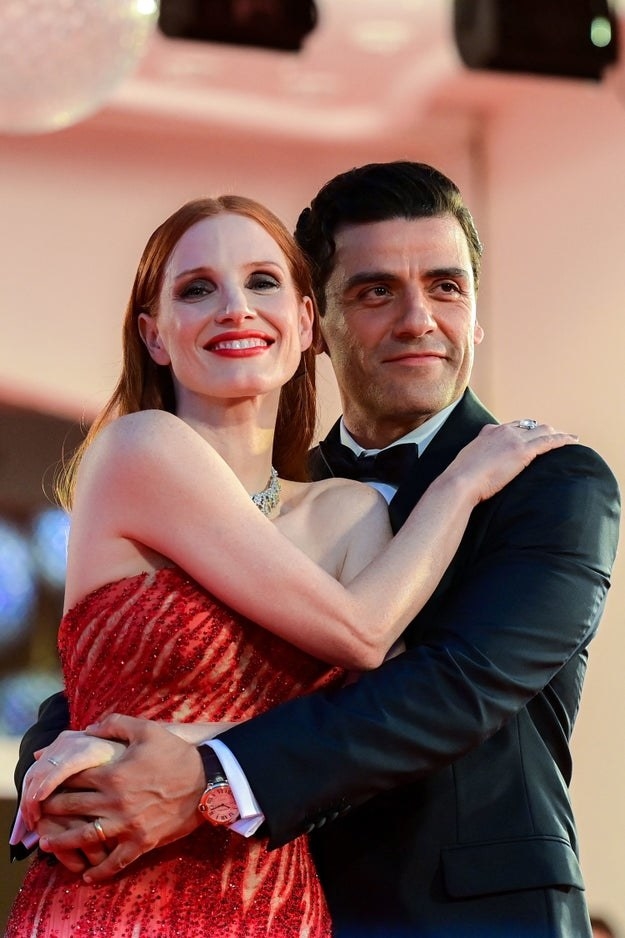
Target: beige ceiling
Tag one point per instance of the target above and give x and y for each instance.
(362, 66)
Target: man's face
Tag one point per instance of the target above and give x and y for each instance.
(400, 323)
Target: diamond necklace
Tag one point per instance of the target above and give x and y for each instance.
(269, 498)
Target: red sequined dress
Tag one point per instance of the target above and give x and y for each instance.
(159, 646)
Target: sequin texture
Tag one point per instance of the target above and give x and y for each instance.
(159, 646)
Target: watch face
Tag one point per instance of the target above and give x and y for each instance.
(218, 805)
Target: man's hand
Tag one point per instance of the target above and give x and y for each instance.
(143, 800)
(75, 860)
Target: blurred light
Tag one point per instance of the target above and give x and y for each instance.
(381, 36)
(601, 32)
(50, 531)
(18, 591)
(20, 696)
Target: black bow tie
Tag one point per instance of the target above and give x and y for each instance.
(390, 465)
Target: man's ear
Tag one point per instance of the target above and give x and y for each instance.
(478, 333)
(148, 330)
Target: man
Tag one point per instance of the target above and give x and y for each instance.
(435, 788)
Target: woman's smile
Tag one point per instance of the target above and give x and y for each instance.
(239, 344)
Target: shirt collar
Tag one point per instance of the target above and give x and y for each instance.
(421, 435)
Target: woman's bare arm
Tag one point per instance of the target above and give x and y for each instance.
(150, 478)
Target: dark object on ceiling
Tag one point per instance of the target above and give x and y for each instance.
(572, 39)
(271, 24)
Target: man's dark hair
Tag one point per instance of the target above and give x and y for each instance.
(378, 192)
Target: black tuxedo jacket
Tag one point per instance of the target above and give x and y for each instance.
(435, 789)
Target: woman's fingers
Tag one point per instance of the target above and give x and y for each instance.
(71, 753)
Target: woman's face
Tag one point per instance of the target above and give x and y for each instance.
(229, 322)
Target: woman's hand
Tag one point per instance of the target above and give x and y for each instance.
(144, 799)
(501, 452)
(55, 768)
(70, 753)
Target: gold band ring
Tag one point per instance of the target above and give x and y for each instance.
(99, 831)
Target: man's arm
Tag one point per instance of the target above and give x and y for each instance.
(532, 579)
(52, 719)
(530, 585)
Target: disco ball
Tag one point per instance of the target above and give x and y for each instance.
(60, 60)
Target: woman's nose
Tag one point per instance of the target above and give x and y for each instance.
(234, 307)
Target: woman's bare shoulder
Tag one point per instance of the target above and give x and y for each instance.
(131, 429)
(335, 496)
(334, 521)
(145, 435)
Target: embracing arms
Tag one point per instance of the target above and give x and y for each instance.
(526, 595)
(154, 469)
(434, 512)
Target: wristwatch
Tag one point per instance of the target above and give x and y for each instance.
(217, 805)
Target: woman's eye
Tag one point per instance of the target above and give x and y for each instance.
(196, 289)
(262, 281)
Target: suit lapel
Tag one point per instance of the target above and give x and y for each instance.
(318, 466)
(462, 425)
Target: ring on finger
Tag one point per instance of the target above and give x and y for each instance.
(528, 424)
(53, 761)
(98, 829)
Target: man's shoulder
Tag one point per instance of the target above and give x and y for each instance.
(574, 460)
(571, 485)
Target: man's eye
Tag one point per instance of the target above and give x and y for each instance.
(375, 292)
(448, 286)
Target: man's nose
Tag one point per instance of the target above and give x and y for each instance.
(415, 317)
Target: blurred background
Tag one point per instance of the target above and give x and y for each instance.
(114, 112)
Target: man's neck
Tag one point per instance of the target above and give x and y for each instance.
(420, 435)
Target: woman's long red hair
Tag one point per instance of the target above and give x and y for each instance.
(144, 385)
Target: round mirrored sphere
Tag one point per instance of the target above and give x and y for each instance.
(60, 60)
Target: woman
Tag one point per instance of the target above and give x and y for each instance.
(185, 603)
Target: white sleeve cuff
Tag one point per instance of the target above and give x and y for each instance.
(20, 833)
(251, 814)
